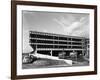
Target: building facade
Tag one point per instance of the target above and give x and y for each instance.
(53, 44)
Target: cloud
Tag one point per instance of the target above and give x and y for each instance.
(79, 27)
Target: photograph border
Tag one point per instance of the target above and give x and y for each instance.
(14, 39)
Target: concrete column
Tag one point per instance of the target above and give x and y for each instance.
(83, 46)
(71, 42)
(51, 52)
(36, 50)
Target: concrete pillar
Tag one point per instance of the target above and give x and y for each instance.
(36, 50)
(51, 52)
(83, 49)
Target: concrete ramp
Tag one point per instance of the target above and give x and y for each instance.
(53, 58)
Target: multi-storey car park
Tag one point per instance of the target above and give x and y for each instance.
(51, 44)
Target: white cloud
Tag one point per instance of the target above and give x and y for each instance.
(80, 27)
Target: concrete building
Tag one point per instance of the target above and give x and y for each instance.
(53, 44)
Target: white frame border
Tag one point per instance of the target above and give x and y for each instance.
(21, 71)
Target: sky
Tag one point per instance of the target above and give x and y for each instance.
(73, 24)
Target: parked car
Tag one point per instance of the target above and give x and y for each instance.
(62, 55)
